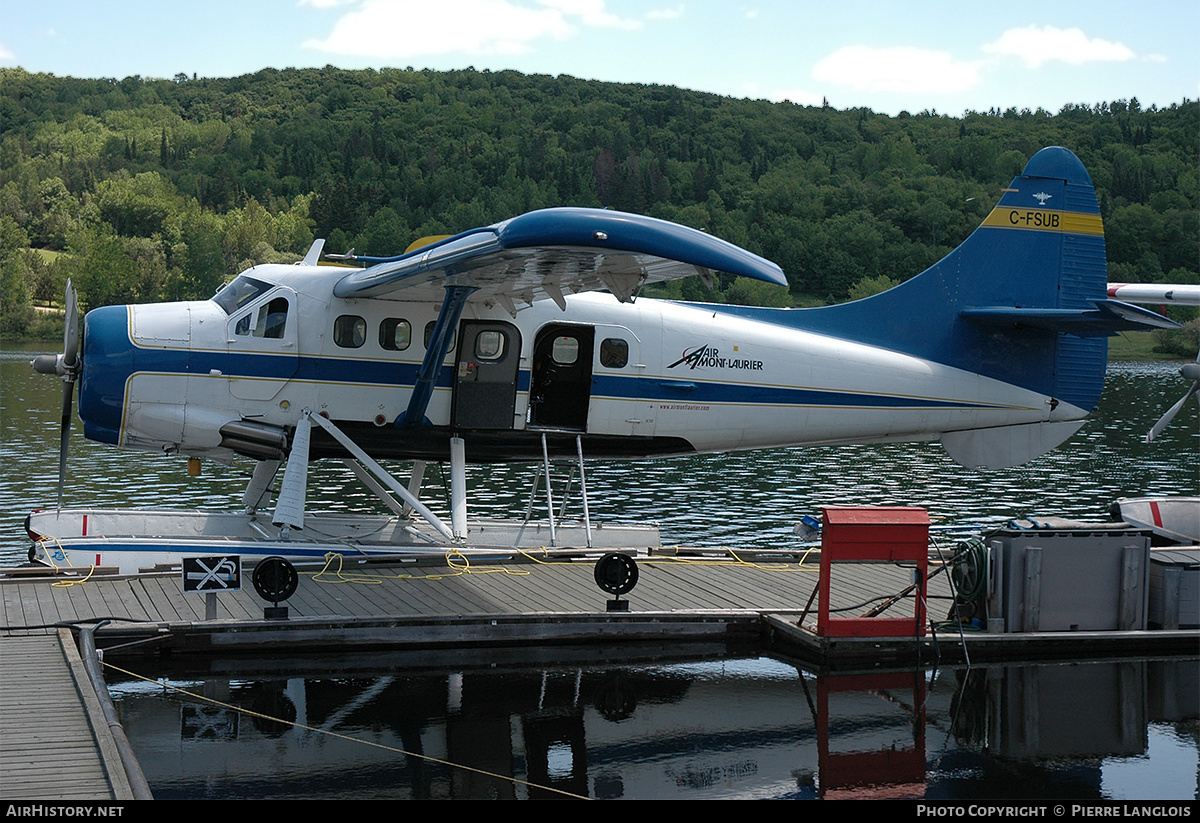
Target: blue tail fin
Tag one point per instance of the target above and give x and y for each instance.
(1022, 300)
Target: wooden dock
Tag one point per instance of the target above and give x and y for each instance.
(544, 604)
(54, 743)
(436, 601)
(548, 599)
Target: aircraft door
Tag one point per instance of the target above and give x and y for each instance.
(617, 407)
(265, 332)
(485, 375)
(560, 389)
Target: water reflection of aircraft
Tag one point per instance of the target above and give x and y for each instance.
(495, 345)
(709, 729)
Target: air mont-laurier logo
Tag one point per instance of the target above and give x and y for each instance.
(709, 357)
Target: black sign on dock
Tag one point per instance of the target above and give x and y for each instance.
(212, 574)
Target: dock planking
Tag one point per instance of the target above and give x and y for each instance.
(542, 585)
(540, 602)
(527, 598)
(55, 743)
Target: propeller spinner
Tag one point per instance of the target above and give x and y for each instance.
(66, 366)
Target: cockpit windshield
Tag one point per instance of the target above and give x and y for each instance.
(241, 291)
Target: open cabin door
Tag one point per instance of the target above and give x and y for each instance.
(560, 389)
(485, 375)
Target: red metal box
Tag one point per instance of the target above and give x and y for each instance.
(886, 533)
(873, 534)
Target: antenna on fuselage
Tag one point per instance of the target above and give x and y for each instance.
(314, 253)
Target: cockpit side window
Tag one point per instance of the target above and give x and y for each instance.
(239, 293)
(270, 320)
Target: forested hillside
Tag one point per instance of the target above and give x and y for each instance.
(145, 190)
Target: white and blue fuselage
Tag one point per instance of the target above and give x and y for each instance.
(663, 378)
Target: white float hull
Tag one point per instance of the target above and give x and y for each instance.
(1175, 518)
(138, 539)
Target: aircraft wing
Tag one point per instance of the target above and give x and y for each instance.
(553, 252)
(1155, 293)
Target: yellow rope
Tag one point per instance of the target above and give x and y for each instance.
(64, 584)
(337, 576)
(689, 561)
(460, 565)
(737, 562)
(458, 562)
(340, 736)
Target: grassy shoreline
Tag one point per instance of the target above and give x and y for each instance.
(1138, 346)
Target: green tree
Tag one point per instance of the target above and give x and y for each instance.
(871, 285)
(198, 252)
(16, 309)
(100, 268)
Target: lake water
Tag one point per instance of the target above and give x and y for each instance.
(694, 724)
(734, 727)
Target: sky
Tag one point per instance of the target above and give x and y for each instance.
(948, 57)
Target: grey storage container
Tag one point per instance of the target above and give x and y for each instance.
(1175, 588)
(1058, 580)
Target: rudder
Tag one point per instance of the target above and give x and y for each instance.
(1017, 301)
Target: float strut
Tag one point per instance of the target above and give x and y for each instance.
(458, 487)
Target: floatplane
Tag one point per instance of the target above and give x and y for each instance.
(528, 340)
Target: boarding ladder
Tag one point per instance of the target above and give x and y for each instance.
(543, 469)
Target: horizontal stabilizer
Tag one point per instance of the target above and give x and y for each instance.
(1006, 446)
(1109, 317)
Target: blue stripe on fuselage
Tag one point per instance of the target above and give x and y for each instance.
(382, 373)
(695, 391)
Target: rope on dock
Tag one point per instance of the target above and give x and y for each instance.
(737, 561)
(458, 563)
(64, 584)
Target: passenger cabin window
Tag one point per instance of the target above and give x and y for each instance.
(349, 331)
(429, 335)
(565, 350)
(395, 334)
(269, 321)
(489, 345)
(614, 353)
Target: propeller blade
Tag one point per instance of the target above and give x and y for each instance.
(68, 396)
(71, 328)
(1171, 412)
(66, 366)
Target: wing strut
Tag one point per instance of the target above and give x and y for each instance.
(289, 507)
(435, 353)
